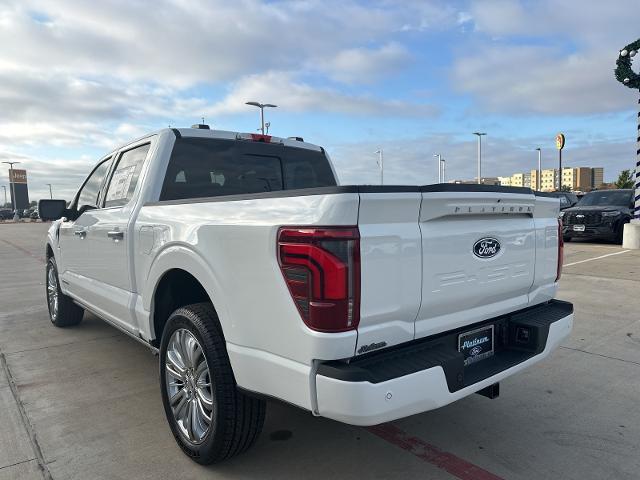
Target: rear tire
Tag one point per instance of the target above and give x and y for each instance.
(566, 239)
(209, 417)
(63, 311)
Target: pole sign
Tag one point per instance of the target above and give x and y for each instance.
(560, 141)
(18, 186)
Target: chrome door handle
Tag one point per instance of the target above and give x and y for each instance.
(81, 232)
(115, 235)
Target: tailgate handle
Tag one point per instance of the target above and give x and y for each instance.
(115, 235)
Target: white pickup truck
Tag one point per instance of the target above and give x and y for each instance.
(255, 275)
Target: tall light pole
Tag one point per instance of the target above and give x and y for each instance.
(444, 170)
(479, 134)
(14, 200)
(539, 175)
(439, 157)
(381, 165)
(50, 191)
(5, 196)
(261, 106)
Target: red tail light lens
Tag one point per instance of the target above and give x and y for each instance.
(560, 249)
(321, 267)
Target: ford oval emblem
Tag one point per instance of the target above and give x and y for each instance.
(486, 247)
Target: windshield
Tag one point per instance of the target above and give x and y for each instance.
(606, 197)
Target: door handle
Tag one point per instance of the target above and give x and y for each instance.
(81, 232)
(115, 235)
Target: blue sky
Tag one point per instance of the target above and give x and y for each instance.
(413, 77)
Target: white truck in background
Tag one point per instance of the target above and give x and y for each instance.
(254, 274)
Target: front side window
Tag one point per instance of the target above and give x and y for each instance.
(125, 176)
(89, 193)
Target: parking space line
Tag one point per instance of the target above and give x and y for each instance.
(595, 258)
(446, 461)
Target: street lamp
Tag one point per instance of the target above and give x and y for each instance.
(479, 134)
(261, 106)
(5, 196)
(381, 165)
(439, 157)
(50, 192)
(14, 202)
(444, 170)
(538, 176)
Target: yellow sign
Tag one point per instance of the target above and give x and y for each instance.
(560, 141)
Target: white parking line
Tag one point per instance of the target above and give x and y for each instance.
(595, 258)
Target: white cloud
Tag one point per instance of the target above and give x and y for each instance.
(289, 93)
(561, 61)
(365, 65)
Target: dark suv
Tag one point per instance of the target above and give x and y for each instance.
(599, 214)
(567, 199)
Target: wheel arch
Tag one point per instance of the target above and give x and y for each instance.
(178, 277)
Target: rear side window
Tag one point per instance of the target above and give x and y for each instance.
(204, 167)
(125, 176)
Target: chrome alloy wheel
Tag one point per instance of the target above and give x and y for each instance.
(188, 383)
(52, 292)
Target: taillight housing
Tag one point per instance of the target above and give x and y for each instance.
(560, 250)
(321, 267)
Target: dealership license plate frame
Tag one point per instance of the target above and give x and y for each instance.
(484, 353)
(578, 228)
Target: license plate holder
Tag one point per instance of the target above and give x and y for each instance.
(578, 228)
(476, 345)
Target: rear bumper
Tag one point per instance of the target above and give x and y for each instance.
(429, 373)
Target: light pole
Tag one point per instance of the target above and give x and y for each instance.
(439, 157)
(5, 196)
(479, 134)
(50, 191)
(444, 170)
(14, 202)
(261, 106)
(381, 165)
(538, 176)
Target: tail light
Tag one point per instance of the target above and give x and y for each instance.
(321, 267)
(560, 249)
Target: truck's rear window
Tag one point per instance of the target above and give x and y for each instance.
(205, 167)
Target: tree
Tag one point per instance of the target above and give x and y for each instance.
(624, 180)
(565, 188)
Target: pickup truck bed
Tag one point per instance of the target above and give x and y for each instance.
(359, 303)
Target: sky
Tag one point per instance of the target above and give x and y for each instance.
(414, 78)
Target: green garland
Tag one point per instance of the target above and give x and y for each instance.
(623, 71)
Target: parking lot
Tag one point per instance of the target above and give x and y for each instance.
(84, 403)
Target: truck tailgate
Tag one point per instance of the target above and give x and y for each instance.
(443, 257)
(478, 257)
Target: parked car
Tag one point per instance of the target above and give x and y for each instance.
(599, 214)
(567, 199)
(6, 214)
(34, 214)
(240, 259)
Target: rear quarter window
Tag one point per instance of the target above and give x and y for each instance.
(204, 167)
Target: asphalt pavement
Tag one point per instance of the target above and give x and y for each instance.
(84, 402)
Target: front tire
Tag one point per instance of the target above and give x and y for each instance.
(565, 238)
(209, 417)
(63, 311)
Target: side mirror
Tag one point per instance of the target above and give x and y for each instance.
(51, 209)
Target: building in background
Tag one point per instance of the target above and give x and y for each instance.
(548, 179)
(483, 180)
(521, 180)
(505, 181)
(597, 177)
